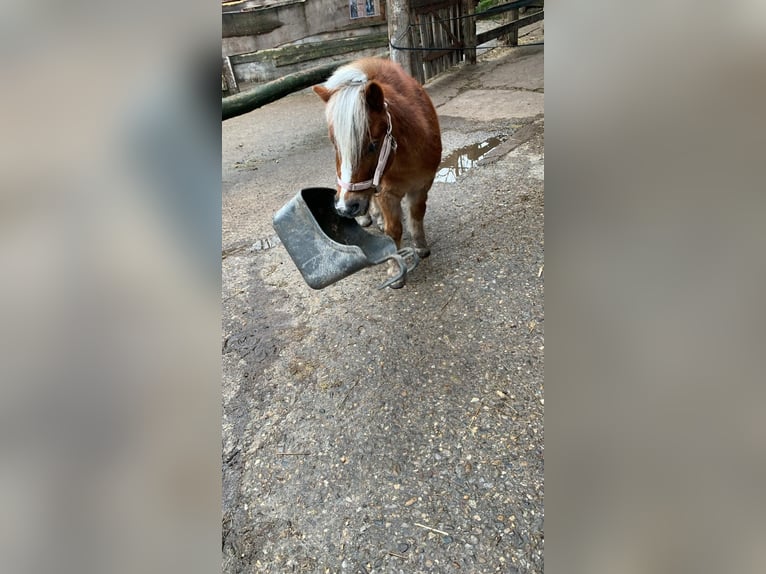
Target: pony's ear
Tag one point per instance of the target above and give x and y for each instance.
(322, 92)
(373, 93)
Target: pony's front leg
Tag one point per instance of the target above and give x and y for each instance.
(364, 220)
(391, 210)
(372, 215)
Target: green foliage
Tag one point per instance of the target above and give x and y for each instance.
(486, 5)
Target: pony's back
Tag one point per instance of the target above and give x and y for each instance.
(411, 107)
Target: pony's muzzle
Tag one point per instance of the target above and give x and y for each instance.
(352, 206)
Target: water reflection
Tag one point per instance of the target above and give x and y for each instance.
(465, 158)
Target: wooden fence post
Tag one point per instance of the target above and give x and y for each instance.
(469, 32)
(228, 74)
(399, 34)
(513, 37)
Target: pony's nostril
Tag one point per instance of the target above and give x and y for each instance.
(350, 209)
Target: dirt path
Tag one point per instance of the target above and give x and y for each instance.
(390, 431)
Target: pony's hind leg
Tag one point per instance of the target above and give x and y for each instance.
(417, 211)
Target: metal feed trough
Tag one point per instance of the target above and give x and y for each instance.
(326, 247)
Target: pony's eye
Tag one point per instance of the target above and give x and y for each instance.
(372, 147)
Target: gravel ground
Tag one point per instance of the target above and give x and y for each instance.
(394, 430)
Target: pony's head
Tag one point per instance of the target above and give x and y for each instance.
(360, 129)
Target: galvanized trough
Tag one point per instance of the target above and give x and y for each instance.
(326, 247)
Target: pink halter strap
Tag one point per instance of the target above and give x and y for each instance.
(389, 145)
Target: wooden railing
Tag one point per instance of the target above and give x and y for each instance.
(429, 36)
(510, 29)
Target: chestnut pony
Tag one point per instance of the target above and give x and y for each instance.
(387, 145)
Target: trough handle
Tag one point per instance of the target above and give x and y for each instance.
(401, 258)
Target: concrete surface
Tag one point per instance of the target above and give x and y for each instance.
(388, 431)
(485, 105)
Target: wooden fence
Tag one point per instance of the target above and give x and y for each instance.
(430, 36)
(426, 36)
(510, 29)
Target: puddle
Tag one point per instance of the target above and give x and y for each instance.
(465, 158)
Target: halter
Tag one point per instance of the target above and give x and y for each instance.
(389, 145)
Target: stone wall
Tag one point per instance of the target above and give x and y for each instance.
(265, 41)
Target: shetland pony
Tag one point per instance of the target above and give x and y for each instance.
(387, 145)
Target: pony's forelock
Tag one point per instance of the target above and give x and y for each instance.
(346, 75)
(347, 112)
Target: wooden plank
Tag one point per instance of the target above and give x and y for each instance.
(417, 56)
(297, 53)
(438, 43)
(502, 30)
(422, 6)
(249, 23)
(500, 8)
(314, 50)
(244, 102)
(457, 26)
(449, 60)
(434, 56)
(445, 22)
(455, 33)
(428, 42)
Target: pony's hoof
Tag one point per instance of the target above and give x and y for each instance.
(364, 220)
(395, 272)
(423, 252)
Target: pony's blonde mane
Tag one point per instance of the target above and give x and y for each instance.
(346, 111)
